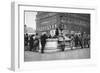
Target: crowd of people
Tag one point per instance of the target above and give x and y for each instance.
(76, 40)
(81, 40)
(33, 42)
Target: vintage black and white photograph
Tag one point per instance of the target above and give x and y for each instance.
(56, 36)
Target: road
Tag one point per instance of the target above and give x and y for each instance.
(68, 54)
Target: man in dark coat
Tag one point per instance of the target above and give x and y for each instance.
(31, 42)
(43, 42)
(80, 41)
(76, 40)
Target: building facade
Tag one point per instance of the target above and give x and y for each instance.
(46, 21)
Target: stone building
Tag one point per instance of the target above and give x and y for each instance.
(46, 21)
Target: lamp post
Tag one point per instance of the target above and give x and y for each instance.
(25, 28)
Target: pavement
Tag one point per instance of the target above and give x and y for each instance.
(57, 55)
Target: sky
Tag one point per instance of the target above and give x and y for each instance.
(30, 19)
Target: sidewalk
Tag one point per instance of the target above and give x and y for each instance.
(68, 54)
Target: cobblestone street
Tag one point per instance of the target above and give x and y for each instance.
(67, 54)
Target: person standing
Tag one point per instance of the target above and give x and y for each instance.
(84, 39)
(26, 39)
(36, 42)
(88, 41)
(31, 42)
(76, 40)
(80, 41)
(43, 42)
(61, 42)
(72, 41)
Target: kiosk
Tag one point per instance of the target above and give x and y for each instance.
(52, 45)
